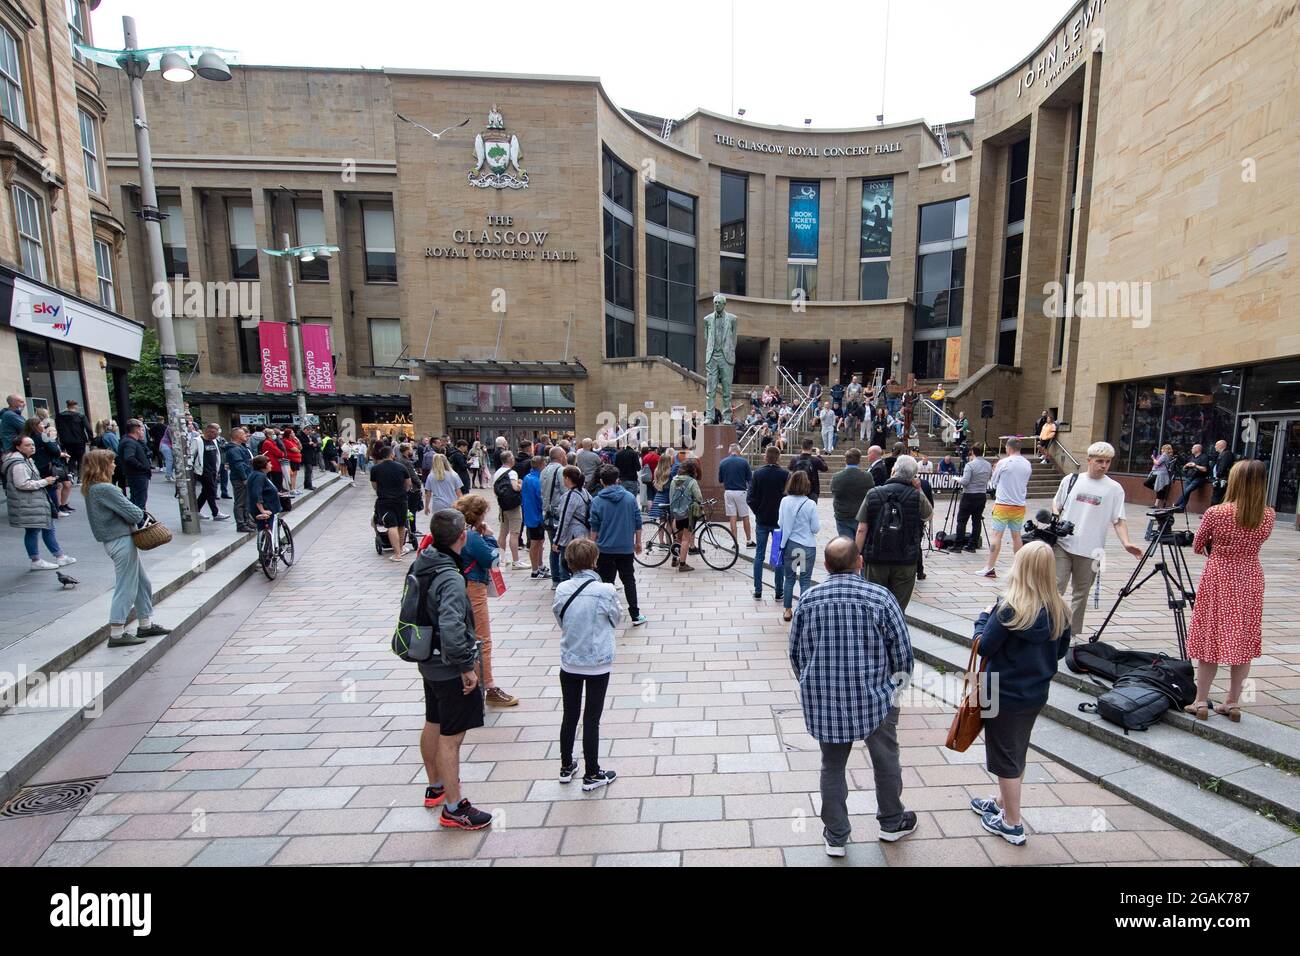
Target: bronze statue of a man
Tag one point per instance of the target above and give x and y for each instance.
(719, 359)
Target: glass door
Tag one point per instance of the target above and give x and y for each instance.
(1276, 442)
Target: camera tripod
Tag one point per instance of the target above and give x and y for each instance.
(949, 525)
(1171, 565)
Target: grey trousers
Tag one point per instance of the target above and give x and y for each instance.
(131, 587)
(882, 745)
(240, 490)
(1081, 569)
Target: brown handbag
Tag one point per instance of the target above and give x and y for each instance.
(966, 722)
(153, 534)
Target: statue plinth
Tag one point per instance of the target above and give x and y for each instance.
(712, 445)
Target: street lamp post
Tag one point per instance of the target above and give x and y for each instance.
(175, 66)
(305, 254)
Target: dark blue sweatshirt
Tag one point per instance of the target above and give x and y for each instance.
(1025, 661)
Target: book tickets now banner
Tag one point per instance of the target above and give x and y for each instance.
(319, 364)
(273, 343)
(805, 206)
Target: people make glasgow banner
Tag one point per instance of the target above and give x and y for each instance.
(318, 364)
(273, 343)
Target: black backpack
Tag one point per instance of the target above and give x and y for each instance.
(1141, 696)
(415, 638)
(507, 498)
(890, 540)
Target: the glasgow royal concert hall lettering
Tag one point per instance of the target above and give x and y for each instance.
(501, 239)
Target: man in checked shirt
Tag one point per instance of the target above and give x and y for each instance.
(850, 649)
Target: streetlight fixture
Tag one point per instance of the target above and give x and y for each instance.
(302, 254)
(174, 64)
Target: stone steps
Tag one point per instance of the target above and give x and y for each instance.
(1233, 785)
(76, 652)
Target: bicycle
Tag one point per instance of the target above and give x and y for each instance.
(274, 544)
(714, 542)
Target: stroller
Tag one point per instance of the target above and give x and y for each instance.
(382, 544)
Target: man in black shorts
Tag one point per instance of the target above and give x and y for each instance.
(391, 481)
(453, 699)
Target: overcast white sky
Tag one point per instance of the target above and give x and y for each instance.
(793, 58)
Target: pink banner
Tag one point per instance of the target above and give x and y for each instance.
(273, 342)
(319, 366)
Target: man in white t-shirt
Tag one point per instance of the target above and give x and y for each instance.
(1011, 481)
(511, 519)
(1093, 501)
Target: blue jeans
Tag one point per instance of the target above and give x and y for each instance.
(846, 529)
(32, 535)
(555, 556)
(131, 587)
(1189, 486)
(788, 573)
(168, 461)
(761, 534)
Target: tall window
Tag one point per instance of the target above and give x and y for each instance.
(77, 27)
(381, 244)
(175, 257)
(670, 274)
(90, 150)
(620, 259)
(876, 243)
(310, 218)
(940, 281)
(735, 208)
(805, 218)
(104, 271)
(11, 81)
(31, 247)
(385, 341)
(250, 346)
(1013, 251)
(243, 239)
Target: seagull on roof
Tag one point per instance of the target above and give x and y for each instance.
(436, 136)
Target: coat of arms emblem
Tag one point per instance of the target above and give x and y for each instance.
(497, 157)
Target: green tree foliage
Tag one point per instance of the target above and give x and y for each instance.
(145, 379)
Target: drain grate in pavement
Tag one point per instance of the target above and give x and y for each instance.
(51, 797)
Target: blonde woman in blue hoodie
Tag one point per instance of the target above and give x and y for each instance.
(587, 611)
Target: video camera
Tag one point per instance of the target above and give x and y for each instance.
(1161, 526)
(1050, 528)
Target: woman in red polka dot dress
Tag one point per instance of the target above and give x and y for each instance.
(1227, 623)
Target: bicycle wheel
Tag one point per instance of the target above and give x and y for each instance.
(266, 554)
(656, 549)
(286, 545)
(717, 546)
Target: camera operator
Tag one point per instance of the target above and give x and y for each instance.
(974, 483)
(1196, 472)
(1092, 502)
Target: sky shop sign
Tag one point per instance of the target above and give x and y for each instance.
(500, 238)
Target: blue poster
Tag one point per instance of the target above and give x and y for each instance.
(805, 205)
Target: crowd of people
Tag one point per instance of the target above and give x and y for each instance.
(571, 513)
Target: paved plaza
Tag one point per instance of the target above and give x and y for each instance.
(283, 731)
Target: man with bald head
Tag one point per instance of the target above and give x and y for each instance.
(850, 650)
(12, 421)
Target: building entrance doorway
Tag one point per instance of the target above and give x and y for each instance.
(807, 359)
(862, 357)
(1277, 444)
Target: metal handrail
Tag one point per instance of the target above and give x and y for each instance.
(935, 410)
(796, 390)
(1066, 452)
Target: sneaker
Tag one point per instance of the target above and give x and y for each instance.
(153, 630)
(835, 849)
(601, 778)
(750, 544)
(639, 620)
(758, 595)
(221, 517)
(983, 805)
(64, 510)
(64, 560)
(994, 823)
(684, 567)
(920, 575)
(568, 773)
(434, 796)
(537, 573)
(499, 698)
(42, 565)
(987, 573)
(908, 825)
(203, 517)
(521, 564)
(464, 817)
(126, 640)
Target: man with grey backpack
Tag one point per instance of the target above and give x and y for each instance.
(436, 630)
